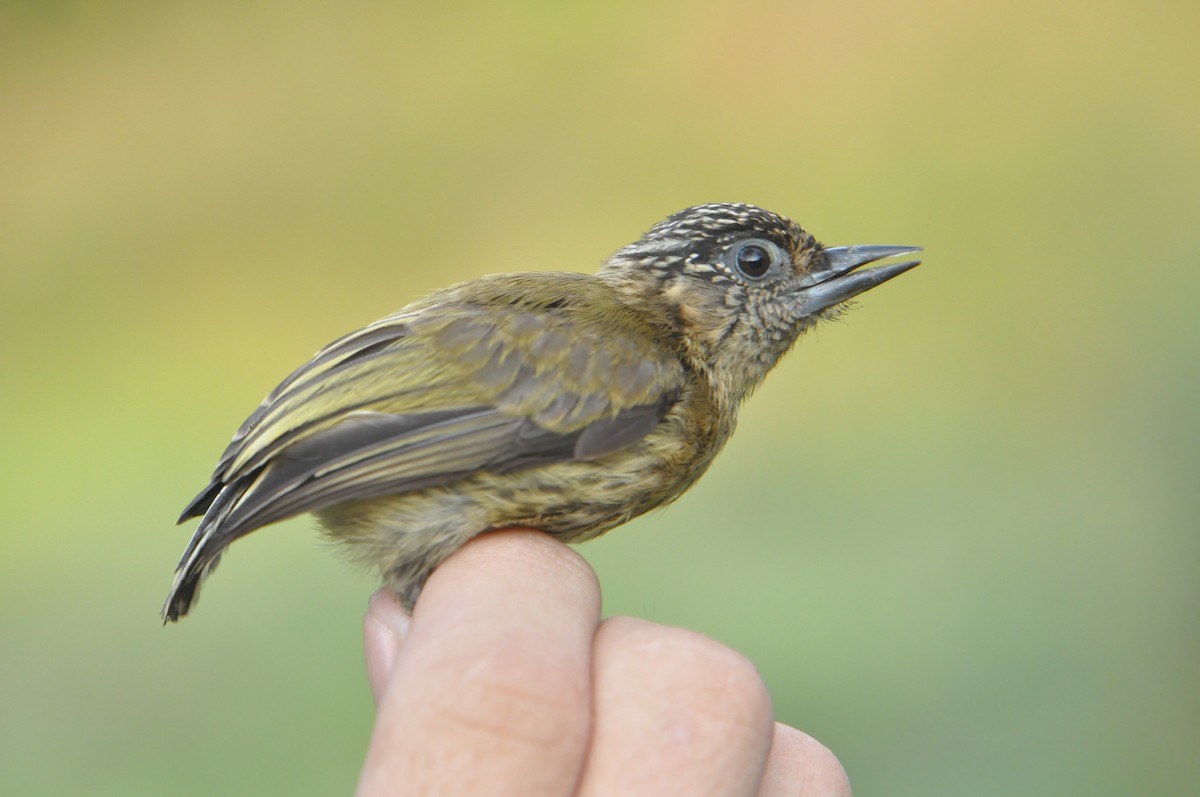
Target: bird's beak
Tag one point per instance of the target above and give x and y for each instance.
(833, 278)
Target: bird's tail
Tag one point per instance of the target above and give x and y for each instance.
(202, 555)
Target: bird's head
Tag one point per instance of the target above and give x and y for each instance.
(739, 284)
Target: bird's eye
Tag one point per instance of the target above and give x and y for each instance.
(754, 259)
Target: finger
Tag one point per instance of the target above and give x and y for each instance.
(674, 713)
(800, 766)
(384, 628)
(490, 692)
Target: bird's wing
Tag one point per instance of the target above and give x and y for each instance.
(425, 398)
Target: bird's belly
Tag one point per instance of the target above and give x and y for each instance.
(409, 534)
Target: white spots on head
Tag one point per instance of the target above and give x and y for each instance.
(718, 218)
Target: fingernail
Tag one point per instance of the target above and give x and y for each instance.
(385, 627)
(386, 609)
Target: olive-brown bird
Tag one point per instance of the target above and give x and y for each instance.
(564, 402)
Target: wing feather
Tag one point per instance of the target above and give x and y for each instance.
(426, 397)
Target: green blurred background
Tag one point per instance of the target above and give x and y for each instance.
(957, 533)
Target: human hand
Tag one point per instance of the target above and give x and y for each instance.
(505, 681)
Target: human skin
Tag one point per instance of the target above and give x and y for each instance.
(505, 680)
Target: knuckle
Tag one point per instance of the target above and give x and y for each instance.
(799, 760)
(703, 677)
(512, 697)
(824, 764)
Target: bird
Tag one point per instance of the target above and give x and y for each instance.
(565, 402)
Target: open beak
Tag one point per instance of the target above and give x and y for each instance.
(834, 279)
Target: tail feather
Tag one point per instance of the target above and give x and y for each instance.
(185, 592)
(200, 504)
(202, 553)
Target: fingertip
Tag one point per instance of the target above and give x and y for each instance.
(495, 672)
(513, 560)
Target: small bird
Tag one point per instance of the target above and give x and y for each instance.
(564, 402)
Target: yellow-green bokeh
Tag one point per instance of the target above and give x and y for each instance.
(957, 532)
